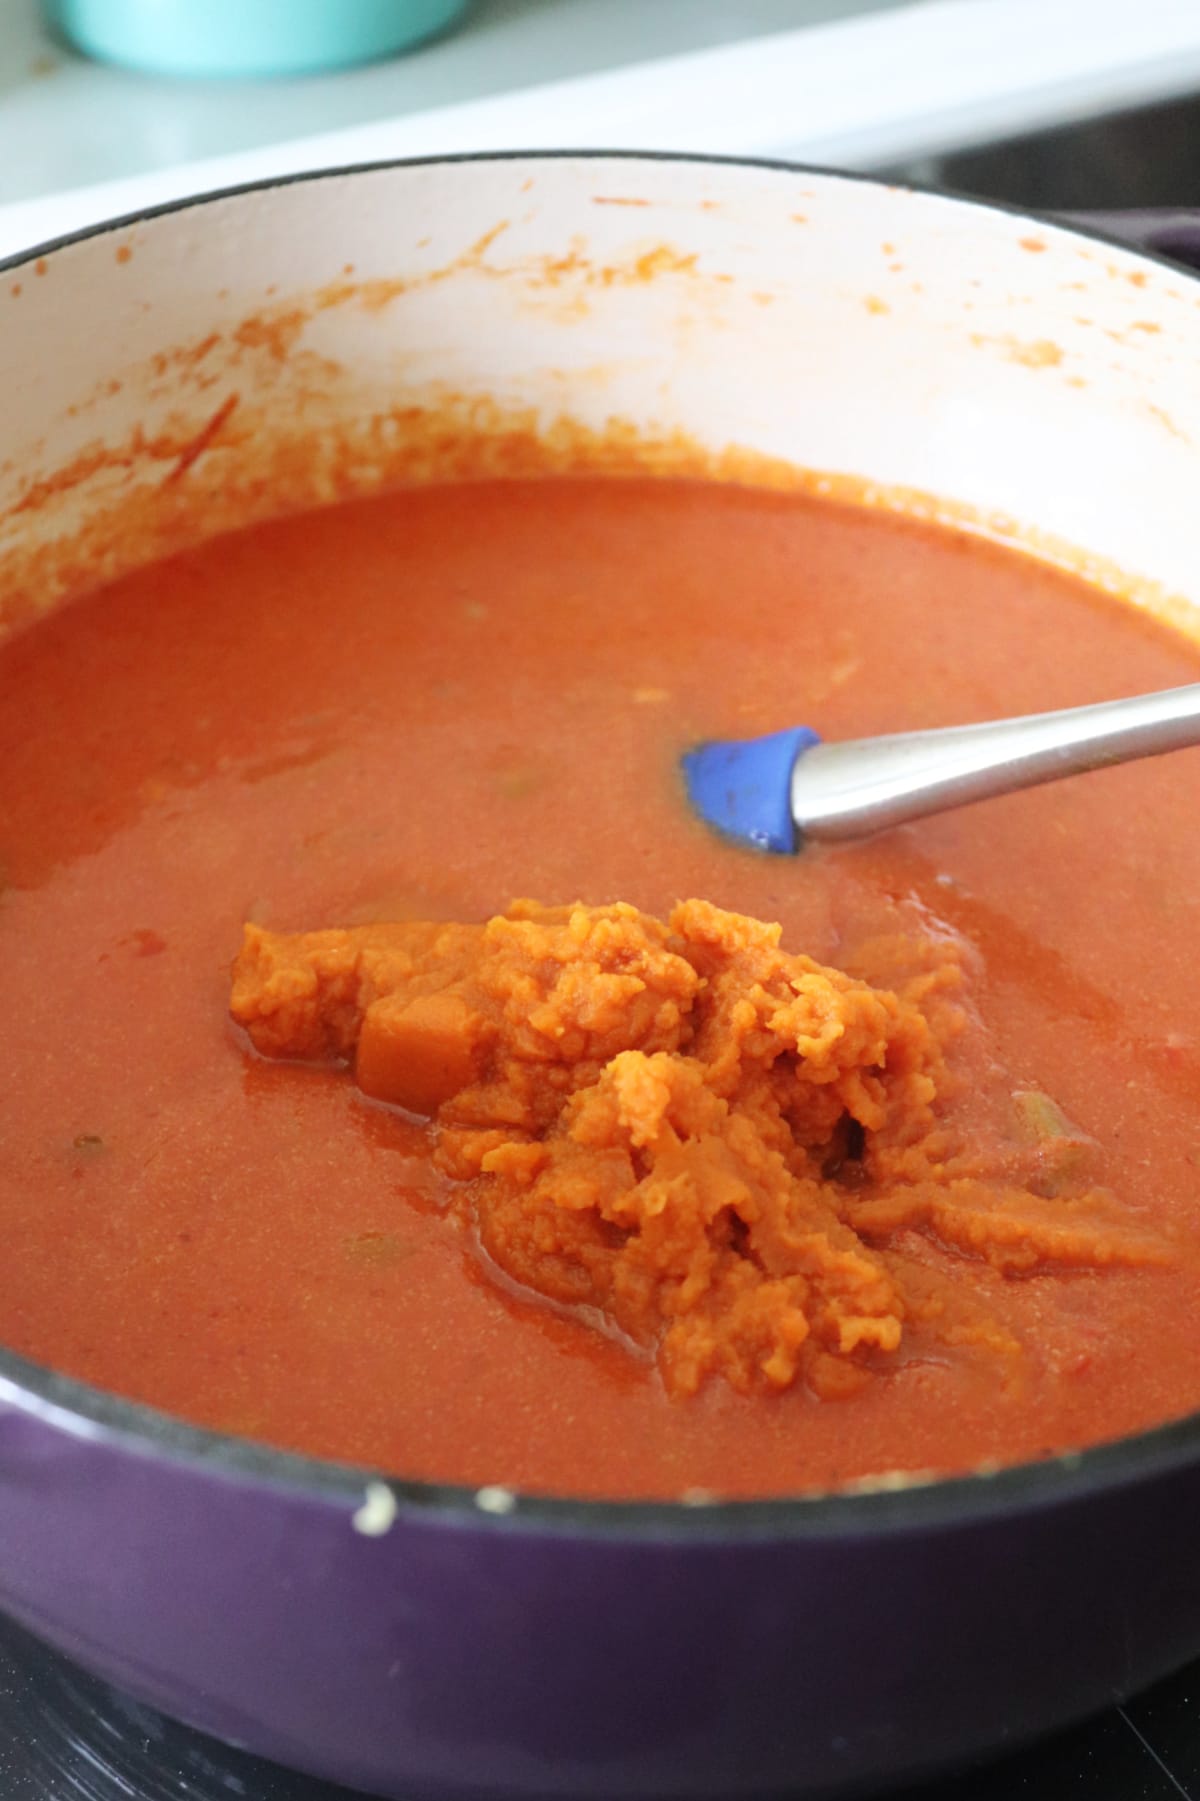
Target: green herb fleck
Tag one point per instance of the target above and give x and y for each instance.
(376, 1249)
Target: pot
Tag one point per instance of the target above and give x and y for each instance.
(216, 361)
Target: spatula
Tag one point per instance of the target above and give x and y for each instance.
(779, 792)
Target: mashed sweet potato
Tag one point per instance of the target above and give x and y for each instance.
(728, 1151)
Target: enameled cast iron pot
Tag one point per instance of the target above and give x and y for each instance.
(483, 1644)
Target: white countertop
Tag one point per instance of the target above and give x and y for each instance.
(854, 83)
(65, 121)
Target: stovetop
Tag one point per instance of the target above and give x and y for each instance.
(66, 1737)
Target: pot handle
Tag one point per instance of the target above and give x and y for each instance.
(1172, 231)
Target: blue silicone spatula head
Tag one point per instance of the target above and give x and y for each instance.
(744, 789)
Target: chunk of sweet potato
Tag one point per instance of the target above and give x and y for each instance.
(418, 1053)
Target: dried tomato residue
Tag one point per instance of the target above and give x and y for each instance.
(662, 260)
(204, 438)
(186, 356)
(275, 332)
(1031, 353)
(1165, 420)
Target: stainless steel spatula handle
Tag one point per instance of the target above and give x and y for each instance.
(846, 790)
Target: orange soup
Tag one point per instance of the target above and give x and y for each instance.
(409, 711)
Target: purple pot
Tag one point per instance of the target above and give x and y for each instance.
(574, 1649)
(411, 1639)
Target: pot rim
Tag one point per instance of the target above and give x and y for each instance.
(899, 1502)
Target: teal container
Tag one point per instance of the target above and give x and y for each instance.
(247, 37)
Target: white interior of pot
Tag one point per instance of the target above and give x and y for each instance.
(1041, 378)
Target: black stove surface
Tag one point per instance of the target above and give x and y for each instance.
(66, 1737)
